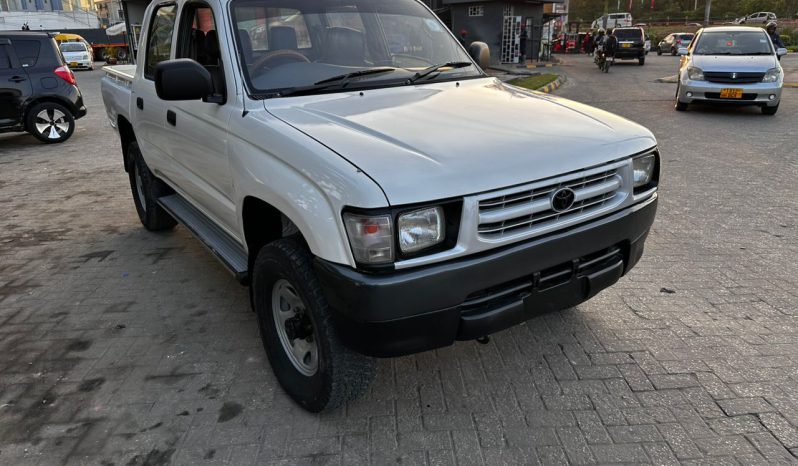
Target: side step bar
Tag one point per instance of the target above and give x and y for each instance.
(222, 245)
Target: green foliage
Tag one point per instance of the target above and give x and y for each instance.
(786, 39)
(534, 82)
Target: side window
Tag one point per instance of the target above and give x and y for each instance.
(27, 52)
(159, 39)
(5, 60)
(199, 41)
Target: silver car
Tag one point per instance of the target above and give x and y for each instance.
(731, 64)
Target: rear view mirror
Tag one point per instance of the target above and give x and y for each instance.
(682, 51)
(781, 52)
(182, 79)
(480, 52)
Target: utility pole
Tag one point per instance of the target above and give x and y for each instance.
(707, 10)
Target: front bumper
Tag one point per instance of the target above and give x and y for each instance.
(753, 94)
(416, 310)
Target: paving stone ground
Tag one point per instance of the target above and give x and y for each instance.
(119, 346)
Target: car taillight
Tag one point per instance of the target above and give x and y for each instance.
(66, 74)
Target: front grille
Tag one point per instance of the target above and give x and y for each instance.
(739, 78)
(531, 209)
(543, 280)
(716, 95)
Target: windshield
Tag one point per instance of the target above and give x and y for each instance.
(72, 47)
(733, 43)
(288, 44)
(629, 34)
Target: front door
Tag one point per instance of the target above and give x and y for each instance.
(15, 86)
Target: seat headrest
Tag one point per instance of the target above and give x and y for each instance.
(212, 45)
(246, 44)
(345, 46)
(282, 37)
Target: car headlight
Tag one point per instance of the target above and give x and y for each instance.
(86, 56)
(421, 229)
(644, 167)
(695, 73)
(371, 238)
(772, 76)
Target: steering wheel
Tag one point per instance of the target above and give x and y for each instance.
(292, 55)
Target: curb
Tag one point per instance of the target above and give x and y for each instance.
(553, 86)
(543, 65)
(793, 85)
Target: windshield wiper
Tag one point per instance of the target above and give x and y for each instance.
(340, 81)
(428, 71)
(344, 78)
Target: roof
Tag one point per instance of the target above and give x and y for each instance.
(25, 34)
(733, 28)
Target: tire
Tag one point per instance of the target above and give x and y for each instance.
(770, 110)
(673, 51)
(50, 122)
(321, 374)
(659, 51)
(146, 189)
(642, 60)
(680, 106)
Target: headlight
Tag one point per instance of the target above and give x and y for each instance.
(371, 238)
(695, 73)
(86, 57)
(772, 76)
(421, 229)
(644, 169)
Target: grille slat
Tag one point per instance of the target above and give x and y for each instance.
(530, 209)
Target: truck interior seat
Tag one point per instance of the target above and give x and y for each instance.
(345, 46)
(246, 45)
(282, 38)
(213, 60)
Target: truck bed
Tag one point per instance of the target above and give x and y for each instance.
(116, 88)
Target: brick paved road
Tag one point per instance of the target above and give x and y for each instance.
(125, 347)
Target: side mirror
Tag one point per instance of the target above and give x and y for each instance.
(182, 79)
(683, 51)
(480, 52)
(781, 52)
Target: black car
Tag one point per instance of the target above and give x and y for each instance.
(38, 92)
(631, 44)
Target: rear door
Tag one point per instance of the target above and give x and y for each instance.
(15, 86)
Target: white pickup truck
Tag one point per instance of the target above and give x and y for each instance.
(378, 192)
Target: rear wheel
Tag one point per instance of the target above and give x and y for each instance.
(770, 110)
(642, 60)
(146, 191)
(659, 51)
(673, 51)
(296, 327)
(50, 122)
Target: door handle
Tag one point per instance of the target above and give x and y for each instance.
(140, 103)
(17, 79)
(171, 118)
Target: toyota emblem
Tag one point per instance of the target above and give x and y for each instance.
(734, 75)
(563, 199)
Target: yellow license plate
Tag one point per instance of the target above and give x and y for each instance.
(731, 93)
(73, 64)
(626, 46)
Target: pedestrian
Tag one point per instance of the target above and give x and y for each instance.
(588, 43)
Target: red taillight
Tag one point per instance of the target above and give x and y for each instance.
(66, 74)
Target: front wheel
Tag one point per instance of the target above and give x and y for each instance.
(680, 106)
(308, 359)
(770, 110)
(659, 51)
(50, 122)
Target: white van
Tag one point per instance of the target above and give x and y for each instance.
(613, 20)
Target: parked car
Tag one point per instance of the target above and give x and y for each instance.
(77, 55)
(648, 44)
(38, 92)
(731, 65)
(761, 17)
(631, 44)
(343, 182)
(671, 43)
(612, 20)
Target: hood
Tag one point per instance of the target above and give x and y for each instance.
(753, 63)
(436, 141)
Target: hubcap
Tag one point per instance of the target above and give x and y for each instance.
(294, 328)
(52, 123)
(140, 188)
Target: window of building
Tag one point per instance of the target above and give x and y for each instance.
(476, 10)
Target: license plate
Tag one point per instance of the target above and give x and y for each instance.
(626, 46)
(731, 93)
(73, 64)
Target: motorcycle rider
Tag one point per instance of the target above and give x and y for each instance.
(598, 47)
(774, 36)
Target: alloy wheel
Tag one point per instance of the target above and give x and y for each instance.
(52, 123)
